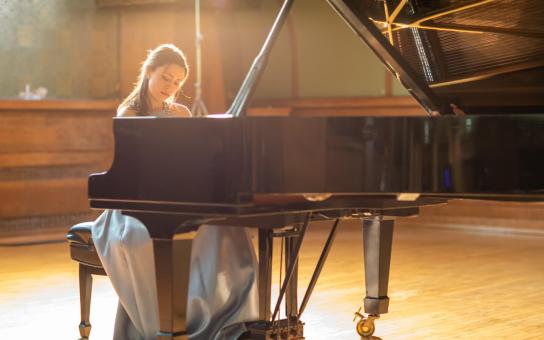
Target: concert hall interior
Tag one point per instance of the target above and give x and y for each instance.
(356, 114)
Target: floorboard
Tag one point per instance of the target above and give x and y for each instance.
(444, 284)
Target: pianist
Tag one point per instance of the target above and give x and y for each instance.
(223, 277)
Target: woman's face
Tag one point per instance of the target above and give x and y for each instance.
(165, 81)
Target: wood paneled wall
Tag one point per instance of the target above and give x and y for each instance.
(369, 106)
(47, 150)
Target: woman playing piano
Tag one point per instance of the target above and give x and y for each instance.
(222, 289)
(160, 82)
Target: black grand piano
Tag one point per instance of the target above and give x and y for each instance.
(476, 67)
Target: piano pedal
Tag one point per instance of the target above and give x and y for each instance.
(365, 326)
(278, 330)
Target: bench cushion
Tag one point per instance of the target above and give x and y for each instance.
(81, 245)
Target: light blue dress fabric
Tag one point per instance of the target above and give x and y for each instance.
(223, 279)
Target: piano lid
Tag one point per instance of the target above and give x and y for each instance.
(484, 56)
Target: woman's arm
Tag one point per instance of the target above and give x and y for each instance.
(126, 111)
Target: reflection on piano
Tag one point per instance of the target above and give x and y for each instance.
(273, 172)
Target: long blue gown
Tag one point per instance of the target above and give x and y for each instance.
(223, 279)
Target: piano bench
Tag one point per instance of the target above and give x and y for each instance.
(83, 251)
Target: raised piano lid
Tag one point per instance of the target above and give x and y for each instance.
(483, 56)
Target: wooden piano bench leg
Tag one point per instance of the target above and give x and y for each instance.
(85, 290)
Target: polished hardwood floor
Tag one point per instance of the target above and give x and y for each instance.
(444, 284)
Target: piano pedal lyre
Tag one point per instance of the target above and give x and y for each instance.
(365, 326)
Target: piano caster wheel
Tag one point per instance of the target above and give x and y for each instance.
(365, 327)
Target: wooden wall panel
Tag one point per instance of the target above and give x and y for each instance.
(43, 159)
(46, 153)
(362, 106)
(45, 132)
(142, 30)
(21, 198)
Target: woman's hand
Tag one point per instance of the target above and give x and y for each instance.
(179, 110)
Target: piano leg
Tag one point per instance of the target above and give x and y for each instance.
(378, 237)
(265, 273)
(291, 301)
(172, 268)
(172, 237)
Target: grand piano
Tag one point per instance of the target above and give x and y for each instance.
(476, 67)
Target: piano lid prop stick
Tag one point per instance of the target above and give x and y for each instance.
(237, 109)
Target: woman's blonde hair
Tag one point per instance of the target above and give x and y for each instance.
(164, 54)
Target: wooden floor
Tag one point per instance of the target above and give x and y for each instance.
(445, 284)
